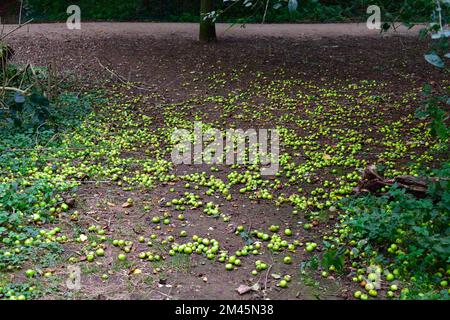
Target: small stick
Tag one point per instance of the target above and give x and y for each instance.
(265, 12)
(121, 79)
(15, 29)
(20, 12)
(162, 293)
(267, 276)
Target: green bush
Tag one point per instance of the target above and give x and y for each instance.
(413, 233)
(188, 10)
(29, 121)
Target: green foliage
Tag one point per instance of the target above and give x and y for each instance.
(432, 108)
(15, 290)
(91, 10)
(235, 12)
(333, 257)
(31, 111)
(420, 227)
(23, 202)
(29, 120)
(18, 204)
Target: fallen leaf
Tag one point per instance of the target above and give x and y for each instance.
(127, 205)
(243, 289)
(256, 287)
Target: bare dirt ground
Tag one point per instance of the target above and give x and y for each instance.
(164, 55)
(172, 66)
(190, 30)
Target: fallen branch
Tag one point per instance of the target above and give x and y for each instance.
(23, 92)
(15, 29)
(267, 278)
(373, 182)
(121, 78)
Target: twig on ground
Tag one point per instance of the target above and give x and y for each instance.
(121, 78)
(267, 277)
(89, 217)
(162, 293)
(23, 92)
(15, 29)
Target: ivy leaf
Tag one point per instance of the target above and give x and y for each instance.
(426, 89)
(334, 258)
(292, 5)
(248, 240)
(423, 33)
(435, 60)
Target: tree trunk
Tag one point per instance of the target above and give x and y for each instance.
(207, 27)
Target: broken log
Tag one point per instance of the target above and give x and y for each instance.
(373, 182)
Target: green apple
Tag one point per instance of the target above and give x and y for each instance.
(156, 219)
(30, 273)
(287, 260)
(187, 250)
(142, 255)
(274, 228)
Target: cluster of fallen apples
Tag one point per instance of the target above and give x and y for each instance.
(321, 136)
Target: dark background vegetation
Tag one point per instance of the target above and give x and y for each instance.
(188, 10)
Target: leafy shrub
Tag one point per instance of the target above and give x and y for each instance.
(28, 120)
(420, 228)
(18, 205)
(432, 108)
(188, 10)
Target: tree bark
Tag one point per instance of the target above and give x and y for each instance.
(207, 26)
